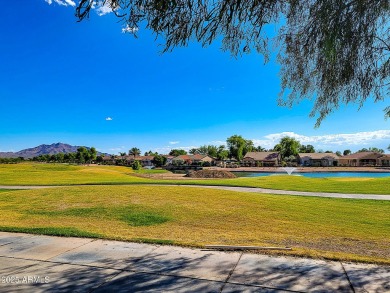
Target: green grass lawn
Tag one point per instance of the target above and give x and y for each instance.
(62, 174)
(65, 174)
(300, 183)
(356, 230)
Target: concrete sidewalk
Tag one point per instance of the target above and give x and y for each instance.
(35, 263)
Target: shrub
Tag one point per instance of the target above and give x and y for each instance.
(136, 165)
(259, 164)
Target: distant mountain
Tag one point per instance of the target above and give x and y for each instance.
(42, 149)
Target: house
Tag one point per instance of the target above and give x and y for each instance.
(362, 159)
(169, 159)
(227, 163)
(192, 160)
(318, 159)
(108, 160)
(146, 161)
(256, 159)
(385, 160)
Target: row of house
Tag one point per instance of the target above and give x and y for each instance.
(147, 161)
(365, 159)
(361, 159)
(265, 159)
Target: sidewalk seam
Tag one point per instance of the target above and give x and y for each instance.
(105, 282)
(92, 240)
(231, 272)
(349, 280)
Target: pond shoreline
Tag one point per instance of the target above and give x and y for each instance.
(306, 169)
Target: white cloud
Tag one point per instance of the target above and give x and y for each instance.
(174, 142)
(70, 2)
(100, 7)
(163, 150)
(167, 149)
(218, 142)
(7, 151)
(62, 2)
(108, 119)
(130, 30)
(368, 138)
(103, 8)
(118, 149)
(187, 148)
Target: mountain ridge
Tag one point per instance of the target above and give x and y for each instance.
(43, 149)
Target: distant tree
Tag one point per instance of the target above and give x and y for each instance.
(207, 150)
(238, 146)
(307, 149)
(99, 159)
(212, 151)
(61, 157)
(249, 146)
(328, 151)
(371, 149)
(376, 150)
(222, 153)
(159, 160)
(12, 160)
(259, 149)
(82, 155)
(194, 151)
(122, 154)
(92, 153)
(288, 146)
(150, 153)
(346, 152)
(338, 153)
(70, 157)
(134, 152)
(203, 150)
(177, 152)
(388, 147)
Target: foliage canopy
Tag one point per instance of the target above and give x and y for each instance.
(333, 52)
(287, 147)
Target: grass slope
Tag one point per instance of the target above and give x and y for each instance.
(300, 183)
(344, 229)
(62, 174)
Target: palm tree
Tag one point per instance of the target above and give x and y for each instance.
(134, 152)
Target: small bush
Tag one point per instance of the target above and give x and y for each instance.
(210, 174)
(136, 165)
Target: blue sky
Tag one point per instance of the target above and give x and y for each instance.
(60, 80)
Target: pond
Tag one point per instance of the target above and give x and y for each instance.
(318, 174)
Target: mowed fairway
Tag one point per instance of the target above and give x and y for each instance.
(301, 183)
(318, 227)
(63, 174)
